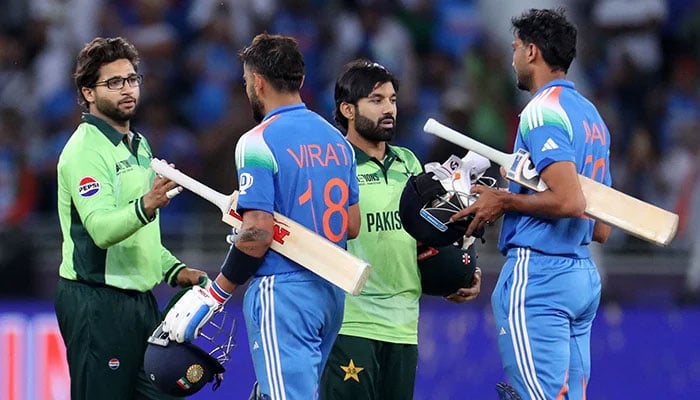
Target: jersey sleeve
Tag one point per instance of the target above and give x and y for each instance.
(256, 167)
(88, 178)
(171, 266)
(546, 131)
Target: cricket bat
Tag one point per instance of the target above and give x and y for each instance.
(291, 239)
(637, 218)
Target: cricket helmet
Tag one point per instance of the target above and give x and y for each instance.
(445, 269)
(425, 209)
(182, 369)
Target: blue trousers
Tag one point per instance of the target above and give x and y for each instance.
(292, 321)
(544, 308)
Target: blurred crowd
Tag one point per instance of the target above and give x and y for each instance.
(637, 60)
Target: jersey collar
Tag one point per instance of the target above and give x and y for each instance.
(112, 134)
(280, 110)
(390, 156)
(555, 82)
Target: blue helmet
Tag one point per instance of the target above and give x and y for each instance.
(182, 369)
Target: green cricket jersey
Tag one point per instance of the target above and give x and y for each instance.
(107, 237)
(387, 309)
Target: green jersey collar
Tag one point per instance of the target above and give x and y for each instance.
(389, 157)
(112, 134)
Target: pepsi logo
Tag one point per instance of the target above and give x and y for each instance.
(88, 186)
(113, 363)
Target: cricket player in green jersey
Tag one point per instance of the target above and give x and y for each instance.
(108, 201)
(376, 353)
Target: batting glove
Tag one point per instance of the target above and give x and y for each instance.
(195, 308)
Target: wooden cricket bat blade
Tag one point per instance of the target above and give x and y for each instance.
(635, 217)
(291, 239)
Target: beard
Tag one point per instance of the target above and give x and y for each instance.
(113, 112)
(371, 130)
(523, 82)
(257, 107)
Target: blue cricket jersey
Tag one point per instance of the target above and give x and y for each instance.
(558, 124)
(297, 164)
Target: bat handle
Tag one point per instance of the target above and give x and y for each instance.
(219, 199)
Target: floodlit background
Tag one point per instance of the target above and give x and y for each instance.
(637, 61)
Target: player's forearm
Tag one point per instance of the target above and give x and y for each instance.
(107, 228)
(256, 233)
(547, 204)
(562, 199)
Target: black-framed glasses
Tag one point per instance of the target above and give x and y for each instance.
(117, 83)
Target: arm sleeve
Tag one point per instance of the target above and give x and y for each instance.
(106, 222)
(171, 266)
(256, 166)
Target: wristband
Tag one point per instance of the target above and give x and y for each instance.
(239, 266)
(219, 294)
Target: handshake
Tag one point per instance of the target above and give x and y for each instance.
(193, 310)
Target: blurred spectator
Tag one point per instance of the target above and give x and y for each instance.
(211, 69)
(458, 26)
(61, 27)
(17, 201)
(368, 29)
(173, 142)
(297, 18)
(15, 74)
(155, 37)
(439, 76)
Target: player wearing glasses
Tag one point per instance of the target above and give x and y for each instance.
(108, 201)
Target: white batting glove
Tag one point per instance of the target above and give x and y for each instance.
(187, 317)
(474, 165)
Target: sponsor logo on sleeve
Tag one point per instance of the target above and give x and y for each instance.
(245, 181)
(88, 186)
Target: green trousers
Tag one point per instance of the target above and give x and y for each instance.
(105, 331)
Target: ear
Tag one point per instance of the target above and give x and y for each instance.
(348, 110)
(88, 93)
(532, 52)
(258, 83)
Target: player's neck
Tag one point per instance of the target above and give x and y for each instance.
(544, 78)
(371, 148)
(277, 100)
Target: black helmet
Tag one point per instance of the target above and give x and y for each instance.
(425, 208)
(182, 369)
(445, 269)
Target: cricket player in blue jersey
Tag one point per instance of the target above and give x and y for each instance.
(548, 291)
(297, 164)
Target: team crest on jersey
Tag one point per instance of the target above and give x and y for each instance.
(88, 186)
(245, 181)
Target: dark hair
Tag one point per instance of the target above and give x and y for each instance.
(550, 31)
(357, 81)
(278, 59)
(95, 54)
